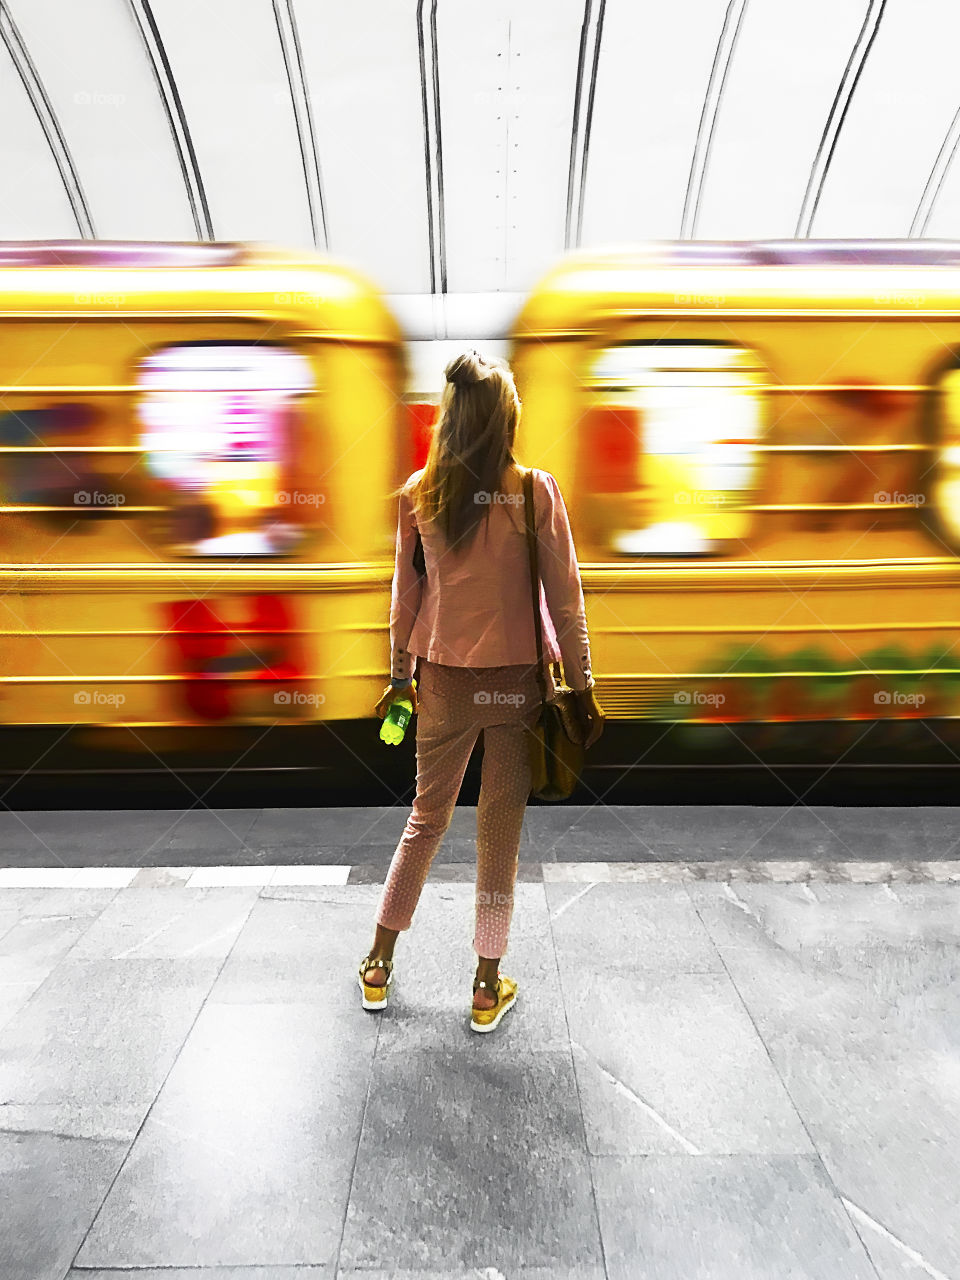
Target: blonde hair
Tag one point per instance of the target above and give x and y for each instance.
(472, 446)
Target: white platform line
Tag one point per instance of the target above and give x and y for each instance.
(170, 877)
(583, 873)
(321, 874)
(66, 877)
(229, 877)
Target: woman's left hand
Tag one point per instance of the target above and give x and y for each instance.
(391, 695)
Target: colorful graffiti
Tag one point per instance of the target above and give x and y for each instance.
(221, 661)
(812, 683)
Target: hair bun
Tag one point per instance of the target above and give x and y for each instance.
(468, 369)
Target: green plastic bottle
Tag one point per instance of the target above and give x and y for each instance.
(396, 720)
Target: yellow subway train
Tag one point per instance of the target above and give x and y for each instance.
(759, 445)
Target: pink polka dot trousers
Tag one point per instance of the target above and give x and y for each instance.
(456, 703)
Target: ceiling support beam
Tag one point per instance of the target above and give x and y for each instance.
(176, 117)
(303, 118)
(432, 146)
(732, 22)
(838, 113)
(941, 167)
(49, 123)
(588, 61)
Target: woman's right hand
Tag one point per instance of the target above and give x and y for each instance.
(390, 694)
(591, 716)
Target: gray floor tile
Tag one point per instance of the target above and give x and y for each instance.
(203, 829)
(177, 923)
(245, 1158)
(709, 832)
(344, 826)
(357, 834)
(49, 904)
(353, 896)
(716, 1217)
(833, 832)
(494, 1149)
(752, 914)
(52, 1188)
(302, 947)
(8, 918)
(123, 837)
(15, 901)
(35, 945)
(878, 1172)
(652, 927)
(108, 1121)
(941, 828)
(859, 1010)
(587, 833)
(650, 832)
(39, 942)
(42, 838)
(101, 1032)
(819, 915)
(290, 855)
(893, 1259)
(671, 1064)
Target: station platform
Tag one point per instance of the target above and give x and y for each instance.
(734, 1054)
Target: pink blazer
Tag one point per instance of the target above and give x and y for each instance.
(474, 609)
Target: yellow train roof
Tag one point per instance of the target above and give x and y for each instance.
(318, 295)
(777, 277)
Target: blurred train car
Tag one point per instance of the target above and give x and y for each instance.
(760, 448)
(197, 447)
(759, 445)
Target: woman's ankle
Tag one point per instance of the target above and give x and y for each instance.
(384, 941)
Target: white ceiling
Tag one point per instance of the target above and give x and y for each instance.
(312, 122)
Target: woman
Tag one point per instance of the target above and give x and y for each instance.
(469, 619)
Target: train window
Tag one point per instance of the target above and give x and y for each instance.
(945, 485)
(666, 458)
(216, 433)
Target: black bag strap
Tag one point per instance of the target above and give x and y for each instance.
(534, 576)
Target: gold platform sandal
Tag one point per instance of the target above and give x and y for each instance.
(375, 997)
(505, 990)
